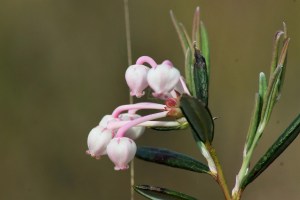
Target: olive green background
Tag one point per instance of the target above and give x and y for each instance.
(62, 67)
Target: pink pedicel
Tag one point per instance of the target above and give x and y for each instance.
(134, 132)
(98, 140)
(121, 151)
(116, 133)
(146, 59)
(136, 78)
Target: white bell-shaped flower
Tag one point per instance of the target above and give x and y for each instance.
(134, 132)
(163, 79)
(106, 119)
(136, 78)
(98, 140)
(121, 151)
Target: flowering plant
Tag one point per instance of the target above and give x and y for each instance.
(186, 104)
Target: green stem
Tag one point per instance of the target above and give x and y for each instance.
(220, 176)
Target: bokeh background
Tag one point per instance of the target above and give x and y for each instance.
(62, 67)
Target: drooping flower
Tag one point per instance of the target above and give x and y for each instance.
(136, 78)
(121, 151)
(163, 79)
(98, 140)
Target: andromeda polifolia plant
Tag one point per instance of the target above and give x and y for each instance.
(185, 101)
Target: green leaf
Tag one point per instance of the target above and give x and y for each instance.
(189, 70)
(158, 193)
(274, 62)
(205, 46)
(199, 118)
(262, 85)
(171, 159)
(200, 78)
(196, 27)
(271, 95)
(171, 128)
(183, 38)
(286, 138)
(254, 122)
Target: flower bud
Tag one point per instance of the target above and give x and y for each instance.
(136, 78)
(162, 79)
(98, 140)
(121, 151)
(134, 132)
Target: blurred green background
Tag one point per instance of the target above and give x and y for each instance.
(62, 67)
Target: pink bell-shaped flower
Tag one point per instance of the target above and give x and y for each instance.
(121, 151)
(136, 78)
(163, 79)
(98, 140)
(136, 131)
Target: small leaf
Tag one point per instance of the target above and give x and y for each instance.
(171, 128)
(200, 77)
(286, 138)
(271, 95)
(199, 118)
(274, 62)
(254, 122)
(184, 40)
(158, 193)
(189, 70)
(196, 27)
(205, 46)
(171, 159)
(262, 85)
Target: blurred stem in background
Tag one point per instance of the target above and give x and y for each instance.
(129, 60)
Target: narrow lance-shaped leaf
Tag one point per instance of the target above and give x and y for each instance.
(171, 128)
(171, 159)
(262, 85)
(200, 77)
(189, 70)
(270, 96)
(205, 46)
(254, 122)
(196, 27)
(282, 62)
(287, 137)
(274, 60)
(182, 36)
(158, 193)
(199, 118)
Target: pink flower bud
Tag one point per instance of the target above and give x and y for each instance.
(98, 140)
(163, 79)
(136, 78)
(121, 151)
(134, 132)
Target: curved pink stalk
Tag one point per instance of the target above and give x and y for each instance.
(121, 132)
(167, 62)
(137, 106)
(116, 125)
(186, 90)
(146, 59)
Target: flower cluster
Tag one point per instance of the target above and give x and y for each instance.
(115, 134)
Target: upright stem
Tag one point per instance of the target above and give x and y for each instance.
(220, 176)
(129, 59)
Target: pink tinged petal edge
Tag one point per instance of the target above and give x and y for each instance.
(163, 79)
(98, 140)
(136, 78)
(121, 151)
